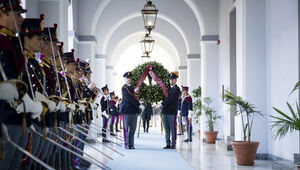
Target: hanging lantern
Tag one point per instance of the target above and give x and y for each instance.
(147, 44)
(149, 15)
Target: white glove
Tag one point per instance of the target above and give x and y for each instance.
(72, 107)
(142, 107)
(94, 106)
(191, 114)
(32, 128)
(51, 104)
(36, 108)
(81, 107)
(105, 114)
(62, 107)
(92, 86)
(158, 105)
(8, 92)
(4, 132)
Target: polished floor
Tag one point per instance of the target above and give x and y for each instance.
(149, 155)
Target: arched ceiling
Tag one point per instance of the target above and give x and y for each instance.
(171, 36)
(119, 18)
(160, 40)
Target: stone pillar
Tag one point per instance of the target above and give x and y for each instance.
(194, 71)
(108, 76)
(251, 65)
(182, 76)
(56, 11)
(209, 76)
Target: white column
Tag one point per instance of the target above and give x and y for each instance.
(182, 76)
(209, 78)
(251, 65)
(108, 76)
(194, 71)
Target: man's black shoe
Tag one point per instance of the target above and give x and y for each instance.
(112, 134)
(180, 134)
(131, 147)
(187, 140)
(105, 140)
(167, 147)
(173, 147)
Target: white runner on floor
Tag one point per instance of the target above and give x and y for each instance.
(148, 155)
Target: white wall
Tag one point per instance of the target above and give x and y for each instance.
(282, 67)
(267, 65)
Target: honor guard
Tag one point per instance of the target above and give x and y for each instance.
(32, 36)
(130, 109)
(104, 102)
(47, 64)
(186, 109)
(13, 64)
(169, 112)
(113, 112)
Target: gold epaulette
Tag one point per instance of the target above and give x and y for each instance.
(6, 32)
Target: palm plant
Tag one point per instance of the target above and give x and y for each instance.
(245, 109)
(284, 124)
(210, 113)
(197, 104)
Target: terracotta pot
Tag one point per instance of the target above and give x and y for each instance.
(211, 136)
(199, 134)
(244, 152)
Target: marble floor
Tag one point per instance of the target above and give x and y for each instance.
(150, 155)
(202, 156)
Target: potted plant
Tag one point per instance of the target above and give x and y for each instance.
(212, 117)
(285, 123)
(197, 107)
(245, 150)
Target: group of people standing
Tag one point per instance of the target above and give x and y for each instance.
(130, 108)
(46, 103)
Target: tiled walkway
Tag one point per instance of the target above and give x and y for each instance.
(195, 155)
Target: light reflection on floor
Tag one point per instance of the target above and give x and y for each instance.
(199, 155)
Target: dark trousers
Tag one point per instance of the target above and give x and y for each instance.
(146, 123)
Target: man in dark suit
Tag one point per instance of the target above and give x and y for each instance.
(129, 108)
(169, 112)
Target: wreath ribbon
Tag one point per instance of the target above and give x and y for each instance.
(154, 77)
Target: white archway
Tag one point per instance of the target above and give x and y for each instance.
(119, 49)
(135, 15)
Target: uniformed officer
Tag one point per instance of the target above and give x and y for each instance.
(31, 36)
(13, 63)
(112, 112)
(129, 108)
(104, 102)
(186, 111)
(51, 85)
(169, 112)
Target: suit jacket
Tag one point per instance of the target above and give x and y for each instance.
(170, 105)
(129, 105)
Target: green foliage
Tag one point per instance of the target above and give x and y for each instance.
(151, 93)
(285, 123)
(197, 104)
(297, 86)
(245, 109)
(210, 113)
